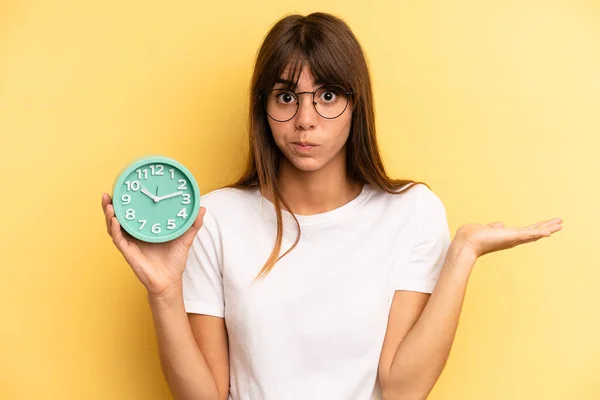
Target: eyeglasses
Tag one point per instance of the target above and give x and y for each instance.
(329, 101)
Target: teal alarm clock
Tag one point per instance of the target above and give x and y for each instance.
(155, 198)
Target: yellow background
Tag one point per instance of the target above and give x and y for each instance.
(496, 104)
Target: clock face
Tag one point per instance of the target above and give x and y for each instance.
(156, 199)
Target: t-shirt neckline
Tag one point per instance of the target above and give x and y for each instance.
(324, 218)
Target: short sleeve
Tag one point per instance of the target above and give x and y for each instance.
(203, 277)
(424, 263)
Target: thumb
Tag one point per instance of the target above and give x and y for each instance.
(496, 225)
(188, 237)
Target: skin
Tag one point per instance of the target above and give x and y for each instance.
(313, 181)
(193, 348)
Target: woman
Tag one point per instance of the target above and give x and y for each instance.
(315, 275)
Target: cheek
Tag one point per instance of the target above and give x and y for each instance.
(280, 134)
(332, 135)
(339, 139)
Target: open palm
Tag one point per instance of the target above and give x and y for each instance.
(484, 239)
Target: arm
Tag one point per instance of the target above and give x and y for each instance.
(412, 362)
(211, 336)
(193, 349)
(191, 370)
(420, 335)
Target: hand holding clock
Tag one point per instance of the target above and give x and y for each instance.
(154, 236)
(159, 266)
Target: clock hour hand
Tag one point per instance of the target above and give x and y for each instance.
(147, 193)
(168, 196)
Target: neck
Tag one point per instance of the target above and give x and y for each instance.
(316, 192)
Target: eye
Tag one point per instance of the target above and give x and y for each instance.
(328, 94)
(284, 97)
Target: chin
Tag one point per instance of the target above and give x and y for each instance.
(307, 164)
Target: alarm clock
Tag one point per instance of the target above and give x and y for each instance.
(155, 198)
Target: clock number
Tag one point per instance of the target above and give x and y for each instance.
(135, 186)
(143, 221)
(159, 169)
(182, 186)
(182, 213)
(186, 199)
(130, 214)
(156, 228)
(126, 199)
(172, 171)
(142, 171)
(171, 224)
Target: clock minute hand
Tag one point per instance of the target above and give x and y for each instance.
(168, 196)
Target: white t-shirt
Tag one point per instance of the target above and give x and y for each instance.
(313, 329)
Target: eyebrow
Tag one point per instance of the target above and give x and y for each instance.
(291, 84)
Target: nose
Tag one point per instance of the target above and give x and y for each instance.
(307, 115)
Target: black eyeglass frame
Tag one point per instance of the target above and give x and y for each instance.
(297, 95)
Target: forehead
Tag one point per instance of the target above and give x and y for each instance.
(303, 77)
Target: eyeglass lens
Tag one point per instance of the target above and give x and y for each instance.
(329, 101)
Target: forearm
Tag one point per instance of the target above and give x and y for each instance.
(422, 354)
(184, 367)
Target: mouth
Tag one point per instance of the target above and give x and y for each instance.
(304, 147)
(305, 144)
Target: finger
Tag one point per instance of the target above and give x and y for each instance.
(188, 237)
(544, 223)
(529, 234)
(109, 214)
(104, 204)
(526, 235)
(125, 243)
(104, 201)
(550, 227)
(117, 236)
(554, 227)
(496, 225)
(543, 231)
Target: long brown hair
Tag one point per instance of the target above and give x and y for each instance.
(336, 57)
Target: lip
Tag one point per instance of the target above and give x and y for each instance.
(304, 147)
(306, 144)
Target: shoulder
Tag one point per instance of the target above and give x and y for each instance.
(414, 204)
(228, 202)
(417, 196)
(428, 200)
(430, 213)
(227, 195)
